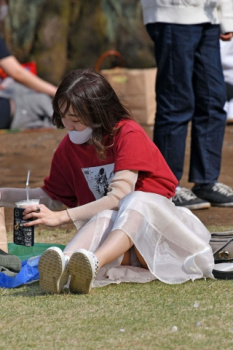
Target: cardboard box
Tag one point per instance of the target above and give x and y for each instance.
(137, 88)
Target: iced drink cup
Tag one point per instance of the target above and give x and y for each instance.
(23, 235)
(25, 203)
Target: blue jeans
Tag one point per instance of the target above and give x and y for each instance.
(189, 87)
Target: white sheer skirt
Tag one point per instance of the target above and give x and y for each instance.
(173, 241)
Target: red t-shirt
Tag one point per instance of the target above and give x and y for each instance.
(77, 175)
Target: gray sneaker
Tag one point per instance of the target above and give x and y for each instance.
(218, 194)
(184, 197)
(10, 262)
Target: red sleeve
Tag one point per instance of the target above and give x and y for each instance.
(134, 149)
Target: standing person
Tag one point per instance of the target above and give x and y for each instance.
(131, 233)
(226, 49)
(190, 87)
(14, 70)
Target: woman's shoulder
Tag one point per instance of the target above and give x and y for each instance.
(129, 125)
(131, 129)
(63, 144)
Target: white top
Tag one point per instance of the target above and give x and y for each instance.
(197, 11)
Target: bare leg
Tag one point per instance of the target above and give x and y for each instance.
(91, 235)
(83, 265)
(82, 239)
(3, 236)
(116, 244)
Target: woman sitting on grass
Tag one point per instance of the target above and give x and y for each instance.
(131, 227)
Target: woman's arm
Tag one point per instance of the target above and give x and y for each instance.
(9, 196)
(122, 184)
(14, 69)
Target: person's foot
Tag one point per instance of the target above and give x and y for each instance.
(83, 267)
(10, 262)
(184, 197)
(218, 194)
(53, 273)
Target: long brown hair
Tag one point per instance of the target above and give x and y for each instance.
(94, 101)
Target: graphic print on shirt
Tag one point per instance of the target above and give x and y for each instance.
(98, 179)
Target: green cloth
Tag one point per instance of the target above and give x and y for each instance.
(25, 253)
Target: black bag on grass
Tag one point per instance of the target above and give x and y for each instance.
(222, 246)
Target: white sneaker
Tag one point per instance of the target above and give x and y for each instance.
(83, 266)
(52, 270)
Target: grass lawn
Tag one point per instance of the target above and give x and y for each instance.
(193, 315)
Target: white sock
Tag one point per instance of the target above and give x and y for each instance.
(67, 259)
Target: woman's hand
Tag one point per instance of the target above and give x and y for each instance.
(41, 215)
(226, 36)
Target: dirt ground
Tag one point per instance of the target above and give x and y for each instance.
(21, 151)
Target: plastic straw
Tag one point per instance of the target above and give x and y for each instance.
(27, 185)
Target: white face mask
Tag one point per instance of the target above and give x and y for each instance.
(80, 137)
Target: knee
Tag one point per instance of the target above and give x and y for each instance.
(131, 197)
(104, 214)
